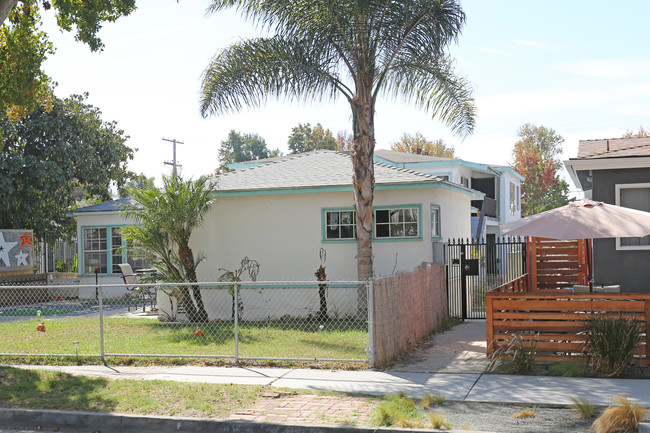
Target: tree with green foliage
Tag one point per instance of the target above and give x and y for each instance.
(24, 46)
(243, 147)
(304, 138)
(420, 145)
(136, 181)
(536, 157)
(359, 50)
(163, 223)
(53, 158)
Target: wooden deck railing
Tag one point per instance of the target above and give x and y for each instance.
(517, 285)
(556, 321)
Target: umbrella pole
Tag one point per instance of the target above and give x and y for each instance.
(589, 265)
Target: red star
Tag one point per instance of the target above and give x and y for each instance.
(26, 239)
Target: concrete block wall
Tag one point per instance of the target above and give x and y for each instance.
(407, 308)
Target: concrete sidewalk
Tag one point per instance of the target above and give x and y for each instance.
(471, 387)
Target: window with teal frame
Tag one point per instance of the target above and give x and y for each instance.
(104, 249)
(436, 233)
(397, 222)
(340, 225)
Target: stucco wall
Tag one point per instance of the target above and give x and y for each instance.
(407, 308)
(284, 233)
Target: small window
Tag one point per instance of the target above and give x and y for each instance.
(95, 245)
(435, 222)
(513, 200)
(340, 225)
(518, 198)
(635, 196)
(464, 181)
(104, 248)
(397, 223)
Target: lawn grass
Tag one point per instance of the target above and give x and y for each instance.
(125, 335)
(35, 389)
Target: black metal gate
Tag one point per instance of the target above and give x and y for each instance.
(476, 266)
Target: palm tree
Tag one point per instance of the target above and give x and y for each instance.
(165, 220)
(355, 49)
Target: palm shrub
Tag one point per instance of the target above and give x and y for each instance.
(613, 339)
(164, 220)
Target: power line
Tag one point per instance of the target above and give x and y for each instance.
(173, 163)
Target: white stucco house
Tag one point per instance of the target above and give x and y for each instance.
(281, 213)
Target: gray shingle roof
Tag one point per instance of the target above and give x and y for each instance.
(406, 158)
(614, 148)
(107, 206)
(320, 168)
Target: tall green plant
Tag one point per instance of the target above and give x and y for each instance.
(164, 220)
(354, 49)
(613, 339)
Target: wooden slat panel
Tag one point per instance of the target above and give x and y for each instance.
(557, 265)
(564, 305)
(539, 326)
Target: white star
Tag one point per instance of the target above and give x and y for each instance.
(21, 259)
(5, 247)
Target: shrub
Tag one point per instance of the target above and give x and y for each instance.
(398, 411)
(567, 369)
(583, 407)
(613, 340)
(438, 421)
(518, 357)
(622, 416)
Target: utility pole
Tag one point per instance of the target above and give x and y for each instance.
(173, 162)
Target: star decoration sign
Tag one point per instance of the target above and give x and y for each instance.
(16, 248)
(26, 239)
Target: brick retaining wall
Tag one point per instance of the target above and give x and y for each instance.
(408, 306)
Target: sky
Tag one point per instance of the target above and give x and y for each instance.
(579, 67)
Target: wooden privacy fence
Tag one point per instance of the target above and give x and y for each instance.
(557, 264)
(556, 321)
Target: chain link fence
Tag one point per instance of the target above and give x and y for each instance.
(300, 321)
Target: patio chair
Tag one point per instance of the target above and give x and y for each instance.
(135, 292)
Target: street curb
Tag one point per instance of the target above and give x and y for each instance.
(644, 427)
(43, 419)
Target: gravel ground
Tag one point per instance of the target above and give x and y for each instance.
(491, 417)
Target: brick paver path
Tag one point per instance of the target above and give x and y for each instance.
(309, 409)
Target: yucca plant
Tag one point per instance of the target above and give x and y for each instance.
(613, 339)
(622, 416)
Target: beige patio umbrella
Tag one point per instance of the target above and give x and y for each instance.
(584, 219)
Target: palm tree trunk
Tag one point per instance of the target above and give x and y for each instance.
(363, 181)
(197, 314)
(5, 8)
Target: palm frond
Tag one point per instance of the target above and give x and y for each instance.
(433, 85)
(247, 73)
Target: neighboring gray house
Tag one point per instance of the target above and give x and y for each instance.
(500, 184)
(617, 171)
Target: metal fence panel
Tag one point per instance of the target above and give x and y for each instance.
(260, 320)
(476, 266)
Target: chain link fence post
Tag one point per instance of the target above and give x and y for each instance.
(100, 291)
(235, 303)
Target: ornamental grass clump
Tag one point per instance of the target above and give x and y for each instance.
(613, 340)
(622, 416)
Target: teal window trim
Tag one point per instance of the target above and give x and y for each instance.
(324, 211)
(109, 249)
(323, 225)
(398, 239)
(438, 225)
